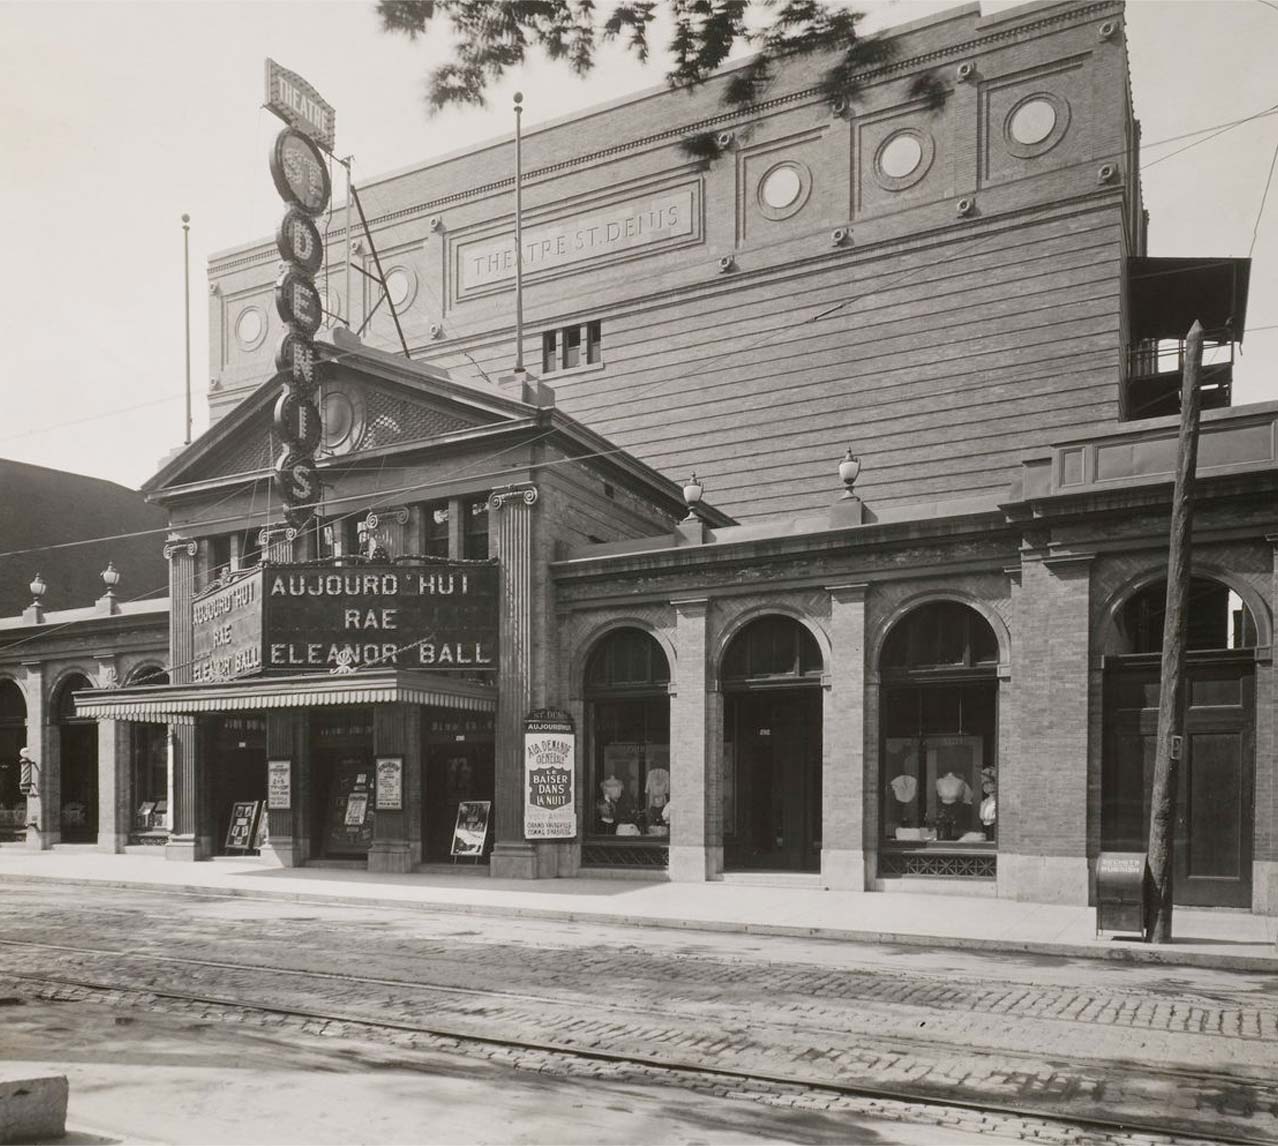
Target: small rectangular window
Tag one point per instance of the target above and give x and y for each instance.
(475, 535)
(594, 340)
(572, 346)
(435, 532)
(548, 363)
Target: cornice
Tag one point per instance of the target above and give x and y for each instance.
(266, 251)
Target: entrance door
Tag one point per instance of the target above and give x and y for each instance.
(345, 786)
(454, 772)
(1213, 837)
(79, 765)
(773, 781)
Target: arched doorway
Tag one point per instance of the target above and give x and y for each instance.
(628, 793)
(938, 762)
(78, 765)
(13, 736)
(1214, 817)
(771, 680)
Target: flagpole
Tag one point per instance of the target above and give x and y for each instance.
(186, 277)
(519, 236)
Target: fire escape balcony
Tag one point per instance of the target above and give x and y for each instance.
(1164, 298)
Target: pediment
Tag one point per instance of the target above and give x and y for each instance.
(366, 407)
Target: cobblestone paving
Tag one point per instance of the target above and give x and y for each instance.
(1190, 1053)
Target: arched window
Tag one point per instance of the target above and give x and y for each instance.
(65, 708)
(771, 651)
(938, 764)
(1216, 618)
(13, 736)
(628, 720)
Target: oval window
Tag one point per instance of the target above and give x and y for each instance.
(399, 285)
(781, 187)
(901, 156)
(250, 327)
(1033, 122)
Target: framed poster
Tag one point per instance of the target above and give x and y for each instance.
(471, 831)
(390, 783)
(348, 828)
(239, 835)
(279, 785)
(550, 776)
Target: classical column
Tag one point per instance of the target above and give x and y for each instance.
(43, 805)
(184, 741)
(396, 732)
(511, 513)
(696, 848)
(843, 743)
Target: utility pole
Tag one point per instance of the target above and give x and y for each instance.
(1171, 709)
(186, 286)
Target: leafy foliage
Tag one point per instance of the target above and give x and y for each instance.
(492, 36)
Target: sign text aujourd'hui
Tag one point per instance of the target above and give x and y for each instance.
(303, 618)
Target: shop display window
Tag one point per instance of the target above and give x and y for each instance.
(13, 737)
(939, 772)
(628, 714)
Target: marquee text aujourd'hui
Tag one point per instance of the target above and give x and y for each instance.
(217, 610)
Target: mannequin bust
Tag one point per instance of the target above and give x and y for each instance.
(951, 788)
(904, 788)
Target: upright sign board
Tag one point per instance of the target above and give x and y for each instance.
(550, 776)
(301, 178)
(314, 618)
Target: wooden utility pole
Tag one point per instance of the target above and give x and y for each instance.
(1171, 711)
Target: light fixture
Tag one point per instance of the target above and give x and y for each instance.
(38, 588)
(849, 471)
(110, 578)
(692, 490)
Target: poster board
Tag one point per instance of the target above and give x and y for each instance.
(348, 828)
(279, 785)
(240, 832)
(471, 831)
(550, 776)
(390, 783)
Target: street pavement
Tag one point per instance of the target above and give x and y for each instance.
(1190, 1049)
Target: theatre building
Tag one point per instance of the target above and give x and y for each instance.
(900, 632)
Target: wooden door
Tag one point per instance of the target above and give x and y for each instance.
(1214, 825)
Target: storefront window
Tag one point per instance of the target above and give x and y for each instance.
(13, 737)
(435, 537)
(939, 776)
(476, 528)
(628, 714)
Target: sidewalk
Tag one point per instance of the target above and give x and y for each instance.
(1224, 939)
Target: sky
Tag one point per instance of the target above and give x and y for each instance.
(117, 117)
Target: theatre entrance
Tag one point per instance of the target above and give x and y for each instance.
(772, 748)
(459, 768)
(238, 775)
(342, 783)
(78, 765)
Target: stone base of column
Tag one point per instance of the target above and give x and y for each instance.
(513, 861)
(843, 869)
(111, 843)
(184, 849)
(690, 864)
(1264, 883)
(38, 841)
(1043, 879)
(280, 852)
(394, 857)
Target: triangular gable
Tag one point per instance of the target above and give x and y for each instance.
(392, 401)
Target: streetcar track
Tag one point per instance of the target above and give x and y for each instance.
(1066, 1123)
(895, 1043)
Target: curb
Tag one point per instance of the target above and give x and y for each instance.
(1135, 953)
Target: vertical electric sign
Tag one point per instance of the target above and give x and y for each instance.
(301, 177)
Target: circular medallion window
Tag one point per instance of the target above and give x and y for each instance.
(783, 190)
(903, 159)
(343, 417)
(1035, 124)
(401, 286)
(250, 327)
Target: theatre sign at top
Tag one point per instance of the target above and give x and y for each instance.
(307, 618)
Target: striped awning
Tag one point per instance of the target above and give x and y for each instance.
(181, 703)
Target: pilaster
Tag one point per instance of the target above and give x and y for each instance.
(184, 742)
(44, 823)
(511, 522)
(843, 743)
(282, 738)
(696, 833)
(396, 732)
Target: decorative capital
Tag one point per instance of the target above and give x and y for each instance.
(176, 546)
(522, 491)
